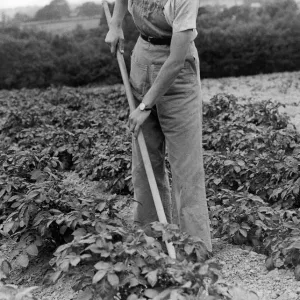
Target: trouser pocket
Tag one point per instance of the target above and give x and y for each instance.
(183, 83)
(138, 78)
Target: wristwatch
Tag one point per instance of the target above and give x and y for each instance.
(143, 107)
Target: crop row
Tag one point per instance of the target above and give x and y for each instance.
(251, 163)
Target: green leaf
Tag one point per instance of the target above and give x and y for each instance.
(294, 245)
(23, 260)
(101, 206)
(234, 227)
(241, 163)
(55, 276)
(260, 224)
(140, 262)
(5, 267)
(133, 282)
(113, 279)
(187, 285)
(228, 162)
(103, 266)
(79, 232)
(119, 267)
(130, 251)
(2, 276)
(237, 169)
(64, 266)
(150, 293)
(62, 248)
(189, 249)
(36, 174)
(16, 204)
(8, 226)
(2, 192)
(296, 190)
(204, 270)
(32, 195)
(164, 295)
(279, 263)
(99, 276)
(88, 241)
(32, 250)
(152, 277)
(75, 261)
(93, 248)
(243, 232)
(133, 297)
(245, 226)
(149, 240)
(85, 256)
(217, 181)
(158, 227)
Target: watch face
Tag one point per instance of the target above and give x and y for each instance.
(142, 106)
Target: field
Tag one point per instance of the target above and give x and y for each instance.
(66, 197)
(63, 26)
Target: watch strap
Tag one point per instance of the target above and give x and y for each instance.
(143, 107)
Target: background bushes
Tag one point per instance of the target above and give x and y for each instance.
(244, 41)
(233, 42)
(39, 59)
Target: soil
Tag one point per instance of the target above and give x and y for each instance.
(241, 266)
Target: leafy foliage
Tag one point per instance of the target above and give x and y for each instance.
(258, 133)
(252, 167)
(128, 263)
(83, 130)
(65, 131)
(245, 41)
(39, 59)
(8, 291)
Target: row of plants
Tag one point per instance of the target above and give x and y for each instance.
(252, 166)
(39, 209)
(255, 149)
(85, 130)
(249, 146)
(251, 162)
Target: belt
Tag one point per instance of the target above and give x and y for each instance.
(156, 41)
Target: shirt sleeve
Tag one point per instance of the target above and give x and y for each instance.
(185, 15)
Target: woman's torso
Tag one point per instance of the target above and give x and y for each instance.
(149, 17)
(147, 59)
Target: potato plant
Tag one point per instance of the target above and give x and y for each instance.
(252, 167)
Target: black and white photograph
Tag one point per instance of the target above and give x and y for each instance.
(149, 149)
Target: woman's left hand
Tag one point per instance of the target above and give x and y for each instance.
(136, 120)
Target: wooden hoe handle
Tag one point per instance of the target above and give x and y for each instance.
(141, 141)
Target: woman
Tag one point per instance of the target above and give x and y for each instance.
(165, 80)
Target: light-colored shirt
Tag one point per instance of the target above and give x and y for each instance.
(181, 15)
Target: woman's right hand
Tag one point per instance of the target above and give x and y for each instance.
(115, 38)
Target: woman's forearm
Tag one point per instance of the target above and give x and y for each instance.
(165, 78)
(120, 10)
